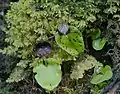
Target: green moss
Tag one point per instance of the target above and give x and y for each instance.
(29, 22)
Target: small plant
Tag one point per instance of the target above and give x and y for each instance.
(98, 42)
(48, 76)
(102, 74)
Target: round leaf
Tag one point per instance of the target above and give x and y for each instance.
(98, 44)
(48, 76)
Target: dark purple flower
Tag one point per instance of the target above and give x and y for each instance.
(43, 49)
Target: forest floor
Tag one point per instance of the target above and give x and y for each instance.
(108, 55)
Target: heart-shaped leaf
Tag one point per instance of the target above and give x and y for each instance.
(48, 76)
(98, 44)
(72, 43)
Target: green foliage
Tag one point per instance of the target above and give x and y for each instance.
(23, 63)
(105, 73)
(46, 61)
(80, 67)
(48, 76)
(17, 75)
(5, 90)
(62, 55)
(98, 89)
(29, 22)
(95, 33)
(68, 90)
(113, 6)
(72, 42)
(98, 44)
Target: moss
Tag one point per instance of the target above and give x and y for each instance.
(29, 22)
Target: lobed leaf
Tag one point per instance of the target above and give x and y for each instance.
(103, 75)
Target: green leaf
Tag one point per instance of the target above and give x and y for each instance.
(96, 33)
(98, 44)
(105, 69)
(91, 18)
(64, 56)
(48, 76)
(72, 43)
(107, 72)
(97, 79)
(104, 74)
(53, 61)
